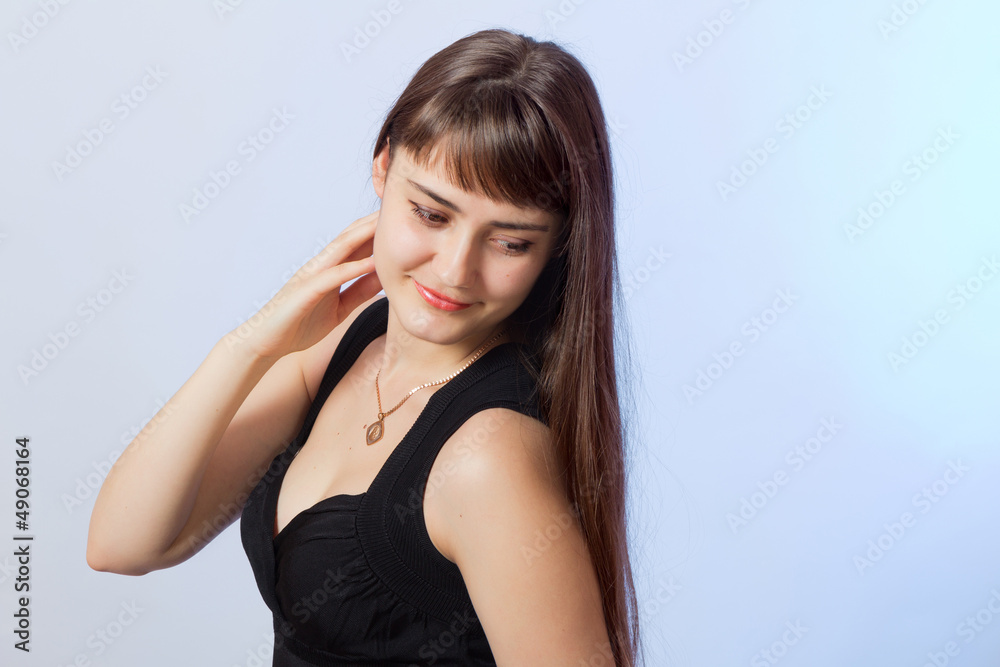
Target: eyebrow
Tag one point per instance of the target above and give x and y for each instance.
(525, 226)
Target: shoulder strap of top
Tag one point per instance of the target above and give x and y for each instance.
(366, 327)
(255, 530)
(390, 519)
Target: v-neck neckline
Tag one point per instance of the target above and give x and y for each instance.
(375, 324)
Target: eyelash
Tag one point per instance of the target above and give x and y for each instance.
(508, 248)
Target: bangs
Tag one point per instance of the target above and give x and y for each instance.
(489, 141)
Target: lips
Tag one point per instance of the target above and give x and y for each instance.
(438, 299)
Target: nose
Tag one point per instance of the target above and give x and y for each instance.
(456, 261)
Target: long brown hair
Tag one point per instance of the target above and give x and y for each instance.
(520, 121)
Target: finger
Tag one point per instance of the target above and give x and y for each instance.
(330, 280)
(350, 245)
(366, 249)
(354, 242)
(360, 291)
(363, 220)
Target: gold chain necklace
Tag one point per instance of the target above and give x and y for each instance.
(375, 431)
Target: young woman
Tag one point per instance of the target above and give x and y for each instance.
(454, 488)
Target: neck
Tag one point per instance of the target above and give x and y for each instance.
(406, 360)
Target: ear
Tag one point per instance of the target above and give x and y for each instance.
(380, 169)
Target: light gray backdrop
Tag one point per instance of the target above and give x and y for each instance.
(808, 237)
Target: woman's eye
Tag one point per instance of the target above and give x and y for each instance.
(507, 247)
(426, 217)
(514, 248)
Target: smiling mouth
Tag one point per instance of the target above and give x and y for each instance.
(438, 300)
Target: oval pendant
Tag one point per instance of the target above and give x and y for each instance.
(374, 433)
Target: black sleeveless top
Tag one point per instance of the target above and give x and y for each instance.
(355, 579)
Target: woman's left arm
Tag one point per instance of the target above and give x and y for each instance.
(512, 532)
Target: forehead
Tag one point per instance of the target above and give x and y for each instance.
(430, 166)
(431, 173)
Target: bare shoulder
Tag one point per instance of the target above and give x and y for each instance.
(500, 510)
(316, 359)
(500, 446)
(495, 447)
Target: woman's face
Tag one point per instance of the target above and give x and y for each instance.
(434, 236)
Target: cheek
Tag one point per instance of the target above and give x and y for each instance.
(398, 246)
(410, 235)
(515, 281)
